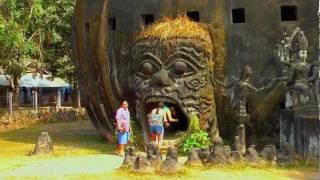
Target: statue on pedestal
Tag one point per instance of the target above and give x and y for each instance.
(302, 77)
(243, 88)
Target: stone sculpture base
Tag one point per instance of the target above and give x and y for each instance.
(300, 128)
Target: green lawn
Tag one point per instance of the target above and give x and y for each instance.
(3, 111)
(79, 153)
(70, 139)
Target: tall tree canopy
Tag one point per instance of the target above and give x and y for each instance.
(35, 34)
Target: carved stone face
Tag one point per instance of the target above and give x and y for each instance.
(303, 54)
(175, 72)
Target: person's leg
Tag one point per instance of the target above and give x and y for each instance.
(121, 149)
(154, 137)
(119, 141)
(160, 134)
(122, 140)
(153, 131)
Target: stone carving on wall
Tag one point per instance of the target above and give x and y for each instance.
(301, 75)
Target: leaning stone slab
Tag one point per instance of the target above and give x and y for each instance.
(44, 144)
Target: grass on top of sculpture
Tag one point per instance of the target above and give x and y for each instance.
(180, 27)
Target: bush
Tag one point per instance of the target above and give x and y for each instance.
(196, 137)
(136, 137)
(195, 140)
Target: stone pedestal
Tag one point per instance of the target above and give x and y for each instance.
(241, 133)
(300, 128)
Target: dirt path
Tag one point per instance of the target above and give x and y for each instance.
(60, 166)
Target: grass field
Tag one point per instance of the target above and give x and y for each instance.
(79, 153)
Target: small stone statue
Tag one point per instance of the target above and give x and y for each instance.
(286, 154)
(130, 157)
(222, 155)
(170, 165)
(142, 165)
(193, 158)
(269, 154)
(252, 155)
(205, 155)
(153, 155)
(236, 156)
(173, 153)
(44, 144)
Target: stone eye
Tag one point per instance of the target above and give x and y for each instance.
(147, 69)
(181, 68)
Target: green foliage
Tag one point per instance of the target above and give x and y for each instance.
(196, 138)
(194, 123)
(36, 34)
(136, 137)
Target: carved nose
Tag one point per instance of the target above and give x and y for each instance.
(162, 78)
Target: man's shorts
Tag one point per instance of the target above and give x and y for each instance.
(156, 129)
(123, 138)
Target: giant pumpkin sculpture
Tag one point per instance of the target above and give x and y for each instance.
(170, 61)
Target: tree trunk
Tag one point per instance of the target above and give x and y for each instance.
(16, 92)
(76, 95)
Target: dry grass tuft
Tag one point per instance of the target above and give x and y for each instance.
(180, 27)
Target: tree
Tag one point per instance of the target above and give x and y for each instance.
(35, 34)
(16, 51)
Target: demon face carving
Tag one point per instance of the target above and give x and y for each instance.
(176, 71)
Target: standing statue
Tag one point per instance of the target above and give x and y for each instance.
(302, 78)
(243, 88)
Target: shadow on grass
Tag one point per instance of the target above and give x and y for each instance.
(74, 136)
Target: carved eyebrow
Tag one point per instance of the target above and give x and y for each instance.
(187, 56)
(152, 56)
(191, 50)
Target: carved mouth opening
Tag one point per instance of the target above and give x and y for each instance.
(176, 130)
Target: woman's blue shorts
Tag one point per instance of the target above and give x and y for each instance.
(156, 129)
(123, 138)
